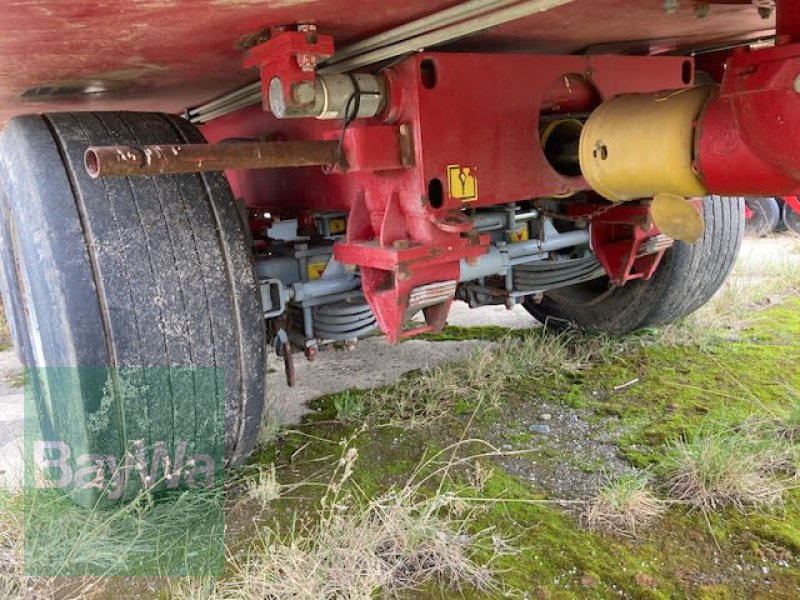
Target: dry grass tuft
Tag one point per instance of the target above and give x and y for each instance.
(263, 486)
(355, 547)
(721, 467)
(753, 285)
(12, 581)
(785, 420)
(623, 507)
(5, 332)
(486, 377)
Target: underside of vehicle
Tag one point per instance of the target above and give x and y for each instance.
(193, 184)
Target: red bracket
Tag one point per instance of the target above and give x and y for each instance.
(291, 57)
(401, 276)
(627, 243)
(793, 202)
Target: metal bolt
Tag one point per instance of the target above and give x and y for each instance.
(671, 6)
(307, 62)
(797, 84)
(765, 12)
(304, 92)
(701, 10)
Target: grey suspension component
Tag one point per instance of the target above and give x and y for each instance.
(502, 256)
(345, 319)
(329, 96)
(547, 275)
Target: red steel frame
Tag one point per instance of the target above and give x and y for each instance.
(478, 116)
(483, 114)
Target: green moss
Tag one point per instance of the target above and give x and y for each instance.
(489, 333)
(558, 554)
(676, 388)
(678, 385)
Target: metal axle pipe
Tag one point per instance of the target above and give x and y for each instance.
(497, 260)
(124, 161)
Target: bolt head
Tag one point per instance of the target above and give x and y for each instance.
(797, 84)
(701, 10)
(304, 92)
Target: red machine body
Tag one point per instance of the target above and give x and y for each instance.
(458, 131)
(748, 139)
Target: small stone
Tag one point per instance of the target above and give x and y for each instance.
(645, 580)
(542, 594)
(542, 428)
(588, 580)
(545, 416)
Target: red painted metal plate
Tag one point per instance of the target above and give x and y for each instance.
(169, 54)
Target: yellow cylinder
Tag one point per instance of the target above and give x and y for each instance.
(639, 145)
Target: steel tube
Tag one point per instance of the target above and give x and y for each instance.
(444, 35)
(496, 260)
(563, 240)
(448, 16)
(308, 290)
(124, 161)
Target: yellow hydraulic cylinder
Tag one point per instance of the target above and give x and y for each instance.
(639, 145)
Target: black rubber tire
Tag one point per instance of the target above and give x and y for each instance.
(687, 278)
(9, 287)
(791, 219)
(766, 216)
(132, 274)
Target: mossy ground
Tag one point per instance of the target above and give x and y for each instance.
(683, 555)
(637, 394)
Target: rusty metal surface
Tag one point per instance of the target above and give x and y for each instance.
(123, 161)
(169, 54)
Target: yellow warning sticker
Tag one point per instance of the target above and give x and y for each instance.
(314, 270)
(520, 235)
(462, 182)
(337, 226)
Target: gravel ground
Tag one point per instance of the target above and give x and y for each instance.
(572, 452)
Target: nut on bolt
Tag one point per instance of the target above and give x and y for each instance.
(765, 12)
(701, 10)
(311, 350)
(671, 6)
(307, 62)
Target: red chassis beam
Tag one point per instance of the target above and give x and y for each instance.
(458, 131)
(748, 139)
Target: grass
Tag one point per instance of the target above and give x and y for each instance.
(362, 502)
(720, 466)
(5, 332)
(486, 379)
(624, 506)
(349, 406)
(12, 582)
(174, 534)
(356, 546)
(752, 287)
